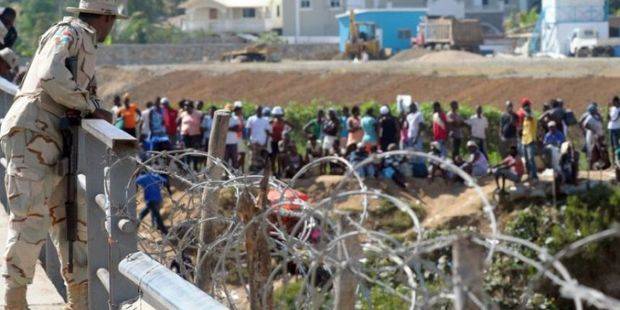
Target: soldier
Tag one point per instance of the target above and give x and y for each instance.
(31, 140)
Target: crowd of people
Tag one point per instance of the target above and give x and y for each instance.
(529, 142)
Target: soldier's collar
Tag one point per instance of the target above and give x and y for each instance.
(84, 25)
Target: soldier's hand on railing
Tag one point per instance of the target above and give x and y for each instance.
(102, 114)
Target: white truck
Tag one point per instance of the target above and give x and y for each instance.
(587, 43)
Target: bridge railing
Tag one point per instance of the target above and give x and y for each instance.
(106, 167)
(117, 271)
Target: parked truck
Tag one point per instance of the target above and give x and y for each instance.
(441, 32)
(252, 53)
(587, 43)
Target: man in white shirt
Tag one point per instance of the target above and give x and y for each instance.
(479, 124)
(232, 139)
(259, 128)
(614, 124)
(145, 124)
(415, 125)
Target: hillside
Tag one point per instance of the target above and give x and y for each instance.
(478, 82)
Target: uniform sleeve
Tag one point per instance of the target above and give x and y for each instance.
(56, 79)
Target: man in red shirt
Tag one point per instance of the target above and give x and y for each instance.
(440, 127)
(170, 120)
(511, 168)
(521, 114)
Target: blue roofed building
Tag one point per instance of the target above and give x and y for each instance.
(394, 28)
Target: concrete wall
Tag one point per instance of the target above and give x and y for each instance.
(454, 8)
(151, 54)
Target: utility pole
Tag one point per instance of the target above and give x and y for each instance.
(467, 273)
(61, 5)
(208, 230)
(297, 21)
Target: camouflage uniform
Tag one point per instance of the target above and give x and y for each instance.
(31, 140)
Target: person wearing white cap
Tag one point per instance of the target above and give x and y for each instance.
(477, 165)
(388, 128)
(31, 140)
(554, 136)
(279, 126)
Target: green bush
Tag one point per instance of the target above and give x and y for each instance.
(584, 215)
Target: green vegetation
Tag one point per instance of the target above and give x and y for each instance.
(146, 25)
(286, 295)
(583, 215)
(270, 38)
(140, 29)
(521, 20)
(510, 282)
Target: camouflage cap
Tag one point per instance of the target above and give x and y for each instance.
(101, 7)
(9, 57)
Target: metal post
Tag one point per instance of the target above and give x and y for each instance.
(93, 165)
(217, 147)
(467, 273)
(121, 243)
(257, 246)
(297, 21)
(349, 253)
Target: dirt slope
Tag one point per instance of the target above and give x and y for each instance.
(441, 201)
(278, 88)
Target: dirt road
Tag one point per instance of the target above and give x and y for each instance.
(481, 81)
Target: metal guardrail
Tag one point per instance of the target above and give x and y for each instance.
(105, 154)
(162, 288)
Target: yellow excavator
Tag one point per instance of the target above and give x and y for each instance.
(362, 39)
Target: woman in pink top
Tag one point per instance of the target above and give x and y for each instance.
(190, 121)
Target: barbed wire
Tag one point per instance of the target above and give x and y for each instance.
(314, 244)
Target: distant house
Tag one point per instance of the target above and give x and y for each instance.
(231, 16)
(316, 19)
(394, 27)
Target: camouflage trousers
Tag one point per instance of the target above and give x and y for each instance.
(36, 196)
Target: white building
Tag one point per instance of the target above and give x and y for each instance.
(231, 16)
(560, 18)
(454, 8)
